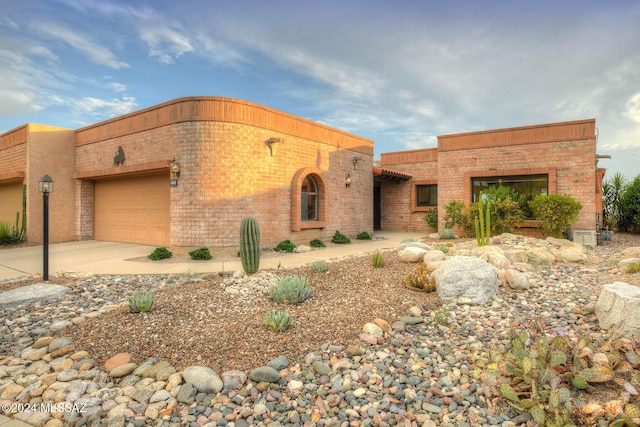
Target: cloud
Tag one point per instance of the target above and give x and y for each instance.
(96, 53)
(105, 107)
(116, 87)
(165, 43)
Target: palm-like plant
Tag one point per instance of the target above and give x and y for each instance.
(612, 190)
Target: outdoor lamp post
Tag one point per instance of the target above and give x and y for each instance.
(45, 186)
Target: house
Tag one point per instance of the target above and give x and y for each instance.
(551, 158)
(185, 173)
(192, 169)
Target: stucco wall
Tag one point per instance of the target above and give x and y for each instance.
(228, 171)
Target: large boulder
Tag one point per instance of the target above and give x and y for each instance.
(412, 254)
(618, 310)
(466, 280)
(539, 255)
(573, 254)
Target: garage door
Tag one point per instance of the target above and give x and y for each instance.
(10, 202)
(132, 210)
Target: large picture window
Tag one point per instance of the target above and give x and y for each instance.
(426, 195)
(526, 187)
(309, 199)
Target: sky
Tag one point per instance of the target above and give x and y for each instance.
(398, 72)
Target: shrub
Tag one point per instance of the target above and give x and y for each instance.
(340, 238)
(431, 218)
(378, 260)
(141, 302)
(363, 236)
(290, 290)
(612, 192)
(317, 243)
(201, 254)
(630, 206)
(160, 253)
(277, 320)
(455, 215)
(286, 246)
(408, 240)
(447, 234)
(442, 248)
(555, 212)
(8, 234)
(319, 266)
(419, 280)
(633, 267)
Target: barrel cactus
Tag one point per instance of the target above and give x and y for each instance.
(250, 245)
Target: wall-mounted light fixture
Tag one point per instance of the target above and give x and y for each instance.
(347, 181)
(271, 144)
(174, 168)
(356, 160)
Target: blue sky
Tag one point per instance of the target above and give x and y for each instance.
(399, 72)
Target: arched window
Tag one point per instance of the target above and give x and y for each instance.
(309, 208)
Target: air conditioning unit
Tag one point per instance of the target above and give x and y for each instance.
(585, 237)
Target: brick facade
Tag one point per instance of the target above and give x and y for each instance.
(563, 151)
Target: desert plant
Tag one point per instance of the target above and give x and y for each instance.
(378, 260)
(202, 254)
(431, 218)
(543, 374)
(340, 238)
(319, 267)
(555, 212)
(419, 280)
(633, 267)
(442, 248)
(482, 222)
(277, 320)
(408, 240)
(141, 302)
(250, 245)
(160, 253)
(455, 215)
(290, 290)
(447, 233)
(285, 246)
(363, 236)
(8, 234)
(630, 206)
(317, 243)
(612, 192)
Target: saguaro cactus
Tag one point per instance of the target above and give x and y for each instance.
(250, 244)
(483, 222)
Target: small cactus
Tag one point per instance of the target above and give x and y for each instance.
(319, 266)
(419, 280)
(509, 393)
(277, 320)
(141, 302)
(378, 260)
(290, 290)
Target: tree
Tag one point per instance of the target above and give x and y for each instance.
(612, 191)
(630, 206)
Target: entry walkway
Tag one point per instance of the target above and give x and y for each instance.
(96, 257)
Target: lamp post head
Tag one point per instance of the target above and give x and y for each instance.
(45, 185)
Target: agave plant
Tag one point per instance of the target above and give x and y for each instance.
(291, 290)
(141, 302)
(277, 320)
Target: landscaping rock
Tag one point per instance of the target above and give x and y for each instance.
(264, 374)
(622, 265)
(204, 379)
(493, 255)
(516, 280)
(434, 256)
(412, 254)
(469, 278)
(539, 256)
(632, 252)
(618, 310)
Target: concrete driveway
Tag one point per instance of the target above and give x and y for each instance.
(92, 256)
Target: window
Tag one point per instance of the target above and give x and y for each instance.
(427, 195)
(526, 187)
(309, 199)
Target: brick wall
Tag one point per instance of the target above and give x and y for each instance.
(565, 151)
(228, 171)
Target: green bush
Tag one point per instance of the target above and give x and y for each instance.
(160, 253)
(317, 243)
(201, 254)
(555, 212)
(319, 266)
(340, 238)
(141, 302)
(634, 267)
(408, 240)
(363, 236)
(630, 206)
(431, 218)
(447, 234)
(442, 248)
(286, 246)
(455, 215)
(290, 290)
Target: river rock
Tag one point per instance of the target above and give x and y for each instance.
(412, 254)
(618, 310)
(468, 278)
(516, 280)
(204, 379)
(632, 252)
(264, 374)
(539, 256)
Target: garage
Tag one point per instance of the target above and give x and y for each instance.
(132, 210)
(10, 202)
